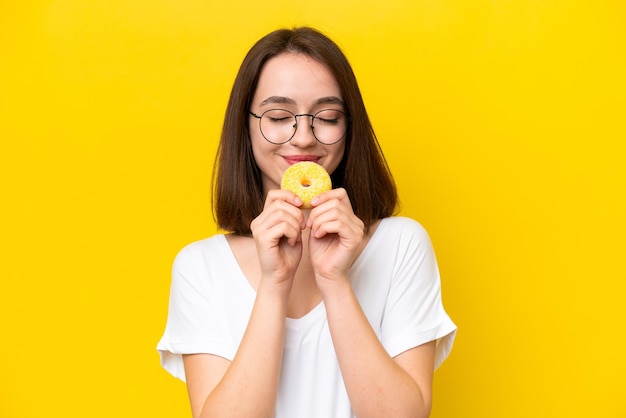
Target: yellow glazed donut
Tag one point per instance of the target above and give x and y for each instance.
(306, 179)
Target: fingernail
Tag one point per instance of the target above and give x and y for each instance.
(298, 201)
(314, 201)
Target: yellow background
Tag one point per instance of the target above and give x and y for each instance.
(503, 122)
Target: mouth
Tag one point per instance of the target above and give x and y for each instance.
(293, 159)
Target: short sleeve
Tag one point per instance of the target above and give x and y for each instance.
(414, 312)
(191, 324)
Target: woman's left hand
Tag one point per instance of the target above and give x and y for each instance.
(336, 235)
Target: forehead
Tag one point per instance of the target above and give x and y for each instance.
(297, 77)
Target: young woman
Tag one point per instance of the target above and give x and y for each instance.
(330, 312)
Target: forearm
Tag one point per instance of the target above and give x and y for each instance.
(250, 385)
(376, 384)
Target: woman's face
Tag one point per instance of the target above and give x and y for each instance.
(299, 84)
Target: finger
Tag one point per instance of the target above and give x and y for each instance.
(335, 218)
(340, 194)
(282, 195)
(338, 206)
(345, 227)
(275, 204)
(271, 233)
(287, 232)
(280, 213)
(276, 198)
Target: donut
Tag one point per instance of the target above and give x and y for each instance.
(306, 179)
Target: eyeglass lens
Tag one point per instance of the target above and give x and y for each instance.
(279, 125)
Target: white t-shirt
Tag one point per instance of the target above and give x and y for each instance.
(395, 279)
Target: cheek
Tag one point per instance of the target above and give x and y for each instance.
(337, 156)
(262, 151)
(258, 144)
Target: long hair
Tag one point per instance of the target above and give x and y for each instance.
(238, 195)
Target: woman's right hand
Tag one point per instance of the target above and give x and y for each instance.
(277, 234)
(248, 385)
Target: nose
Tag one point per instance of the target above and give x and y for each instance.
(304, 131)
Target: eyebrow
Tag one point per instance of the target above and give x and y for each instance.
(289, 101)
(330, 100)
(278, 100)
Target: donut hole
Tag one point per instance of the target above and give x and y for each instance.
(305, 182)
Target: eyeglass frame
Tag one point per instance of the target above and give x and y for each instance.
(313, 116)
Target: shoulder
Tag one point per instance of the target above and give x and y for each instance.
(401, 226)
(201, 250)
(198, 265)
(404, 237)
(401, 222)
(203, 245)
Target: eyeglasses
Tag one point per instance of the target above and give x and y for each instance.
(278, 126)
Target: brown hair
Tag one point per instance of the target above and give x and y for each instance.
(238, 195)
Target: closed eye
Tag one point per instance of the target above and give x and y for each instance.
(278, 120)
(328, 121)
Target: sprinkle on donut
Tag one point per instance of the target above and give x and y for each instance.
(306, 179)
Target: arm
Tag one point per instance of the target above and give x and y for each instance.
(247, 386)
(377, 384)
